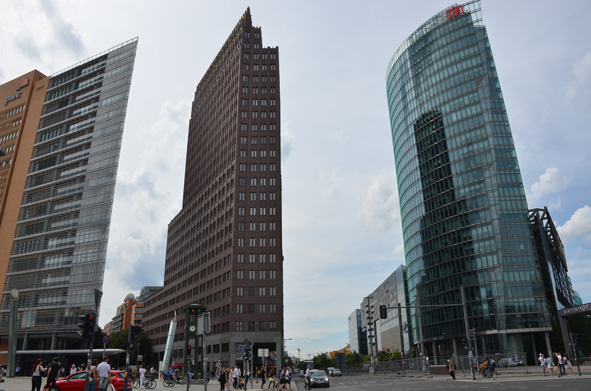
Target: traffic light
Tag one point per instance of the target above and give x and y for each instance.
(383, 312)
(135, 331)
(189, 350)
(86, 325)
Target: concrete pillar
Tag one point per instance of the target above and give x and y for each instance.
(54, 342)
(548, 345)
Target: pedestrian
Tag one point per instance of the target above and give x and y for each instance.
(308, 379)
(271, 379)
(561, 371)
(543, 363)
(73, 369)
(451, 368)
(104, 374)
(569, 365)
(53, 372)
(91, 385)
(223, 380)
(246, 379)
(38, 371)
(235, 376)
(263, 373)
(288, 375)
(142, 371)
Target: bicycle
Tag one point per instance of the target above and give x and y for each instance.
(167, 379)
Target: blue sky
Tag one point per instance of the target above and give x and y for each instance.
(341, 219)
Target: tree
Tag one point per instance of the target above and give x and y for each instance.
(323, 361)
(383, 356)
(354, 358)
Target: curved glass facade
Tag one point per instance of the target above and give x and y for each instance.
(463, 207)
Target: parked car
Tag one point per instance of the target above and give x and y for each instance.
(332, 371)
(76, 381)
(512, 362)
(318, 378)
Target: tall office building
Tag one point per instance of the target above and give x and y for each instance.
(463, 207)
(224, 247)
(63, 134)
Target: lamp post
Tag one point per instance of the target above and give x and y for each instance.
(12, 333)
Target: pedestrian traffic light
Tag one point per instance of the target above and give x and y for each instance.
(86, 325)
(189, 350)
(383, 312)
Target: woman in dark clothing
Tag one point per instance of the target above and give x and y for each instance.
(223, 380)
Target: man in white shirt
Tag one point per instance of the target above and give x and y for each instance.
(104, 374)
(236, 375)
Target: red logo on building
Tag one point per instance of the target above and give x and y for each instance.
(24, 83)
(455, 11)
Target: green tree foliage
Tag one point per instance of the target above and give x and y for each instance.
(354, 359)
(323, 361)
(141, 345)
(383, 356)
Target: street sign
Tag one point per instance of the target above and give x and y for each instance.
(263, 352)
(140, 357)
(106, 340)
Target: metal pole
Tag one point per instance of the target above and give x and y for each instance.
(467, 328)
(204, 355)
(400, 328)
(13, 335)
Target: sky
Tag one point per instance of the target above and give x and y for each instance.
(342, 234)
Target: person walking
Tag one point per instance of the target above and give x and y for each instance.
(543, 363)
(308, 379)
(569, 364)
(223, 380)
(271, 379)
(53, 372)
(142, 371)
(104, 374)
(263, 373)
(91, 385)
(38, 371)
(451, 368)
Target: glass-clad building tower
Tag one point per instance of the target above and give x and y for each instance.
(59, 248)
(463, 207)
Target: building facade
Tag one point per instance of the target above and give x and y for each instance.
(58, 230)
(463, 206)
(357, 335)
(390, 334)
(224, 248)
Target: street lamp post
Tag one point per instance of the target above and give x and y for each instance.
(12, 333)
(285, 349)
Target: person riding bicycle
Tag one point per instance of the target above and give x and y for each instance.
(486, 368)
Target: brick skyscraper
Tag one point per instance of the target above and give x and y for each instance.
(224, 248)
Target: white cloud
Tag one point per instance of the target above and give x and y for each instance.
(379, 204)
(330, 182)
(288, 141)
(578, 88)
(579, 225)
(551, 181)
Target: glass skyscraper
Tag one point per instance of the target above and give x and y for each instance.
(59, 248)
(463, 207)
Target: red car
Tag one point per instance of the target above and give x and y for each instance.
(76, 381)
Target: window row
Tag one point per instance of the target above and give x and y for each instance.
(252, 275)
(263, 326)
(252, 258)
(255, 114)
(262, 153)
(252, 242)
(262, 167)
(262, 291)
(253, 211)
(253, 196)
(255, 90)
(256, 56)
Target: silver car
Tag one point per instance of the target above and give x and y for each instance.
(334, 371)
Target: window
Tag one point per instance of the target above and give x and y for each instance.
(253, 196)
(245, 67)
(239, 326)
(272, 127)
(272, 211)
(252, 258)
(263, 181)
(273, 308)
(271, 182)
(272, 226)
(263, 167)
(273, 56)
(251, 291)
(243, 140)
(263, 114)
(263, 196)
(253, 181)
(263, 102)
(272, 196)
(242, 167)
(262, 242)
(253, 242)
(253, 227)
(272, 242)
(240, 242)
(263, 153)
(253, 153)
(255, 102)
(253, 140)
(240, 274)
(272, 153)
(263, 226)
(254, 127)
(240, 211)
(262, 308)
(273, 102)
(245, 90)
(263, 212)
(242, 196)
(255, 90)
(240, 227)
(255, 79)
(272, 139)
(272, 274)
(244, 102)
(242, 181)
(239, 291)
(262, 291)
(244, 114)
(262, 274)
(264, 67)
(263, 127)
(272, 90)
(253, 167)
(239, 308)
(255, 67)
(251, 274)
(262, 258)
(272, 291)
(273, 67)
(240, 258)
(251, 310)
(263, 90)
(245, 78)
(254, 114)
(272, 165)
(243, 153)
(253, 211)
(272, 258)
